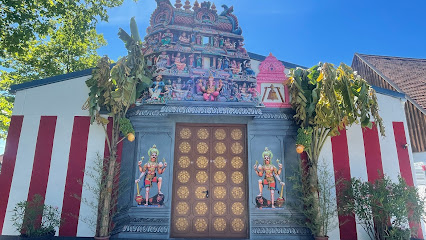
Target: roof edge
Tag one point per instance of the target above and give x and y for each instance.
(50, 80)
(390, 82)
(388, 92)
(260, 58)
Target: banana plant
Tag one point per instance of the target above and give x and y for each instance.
(114, 88)
(327, 99)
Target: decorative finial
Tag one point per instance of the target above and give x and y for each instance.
(187, 6)
(196, 5)
(178, 4)
(214, 7)
(270, 54)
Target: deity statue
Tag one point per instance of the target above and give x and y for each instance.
(149, 172)
(241, 47)
(191, 60)
(179, 62)
(183, 38)
(198, 37)
(211, 90)
(177, 89)
(221, 42)
(199, 61)
(166, 38)
(157, 89)
(219, 63)
(225, 64)
(162, 61)
(216, 41)
(247, 68)
(193, 38)
(228, 44)
(235, 66)
(271, 174)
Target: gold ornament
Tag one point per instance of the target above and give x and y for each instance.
(185, 147)
(203, 133)
(184, 161)
(219, 192)
(219, 224)
(236, 134)
(200, 192)
(236, 148)
(219, 208)
(220, 148)
(183, 176)
(220, 177)
(237, 177)
(200, 225)
(202, 177)
(220, 134)
(182, 208)
(237, 208)
(237, 192)
(220, 162)
(185, 133)
(236, 162)
(237, 224)
(202, 147)
(183, 192)
(181, 224)
(202, 162)
(201, 208)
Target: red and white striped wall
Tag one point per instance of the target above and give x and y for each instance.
(363, 153)
(51, 143)
(49, 146)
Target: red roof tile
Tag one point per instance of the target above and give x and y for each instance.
(407, 74)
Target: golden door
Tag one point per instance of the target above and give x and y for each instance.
(210, 182)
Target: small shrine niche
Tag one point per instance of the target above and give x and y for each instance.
(197, 55)
(271, 83)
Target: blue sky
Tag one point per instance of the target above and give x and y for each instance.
(304, 32)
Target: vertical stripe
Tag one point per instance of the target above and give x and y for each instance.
(93, 169)
(75, 174)
(339, 146)
(23, 168)
(59, 163)
(42, 157)
(8, 167)
(404, 163)
(373, 157)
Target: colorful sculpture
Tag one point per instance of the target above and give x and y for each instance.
(211, 90)
(271, 175)
(149, 174)
(183, 38)
(166, 38)
(194, 44)
(179, 62)
(157, 89)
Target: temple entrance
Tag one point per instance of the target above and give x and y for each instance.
(210, 182)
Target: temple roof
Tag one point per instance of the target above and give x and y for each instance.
(406, 75)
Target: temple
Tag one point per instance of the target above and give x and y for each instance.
(214, 147)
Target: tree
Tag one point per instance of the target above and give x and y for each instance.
(327, 99)
(43, 38)
(24, 21)
(115, 90)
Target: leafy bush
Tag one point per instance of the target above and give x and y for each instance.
(383, 208)
(34, 218)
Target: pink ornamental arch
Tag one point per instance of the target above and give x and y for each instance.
(272, 75)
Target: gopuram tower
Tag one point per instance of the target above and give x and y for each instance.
(197, 55)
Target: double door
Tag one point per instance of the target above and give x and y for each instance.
(210, 182)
